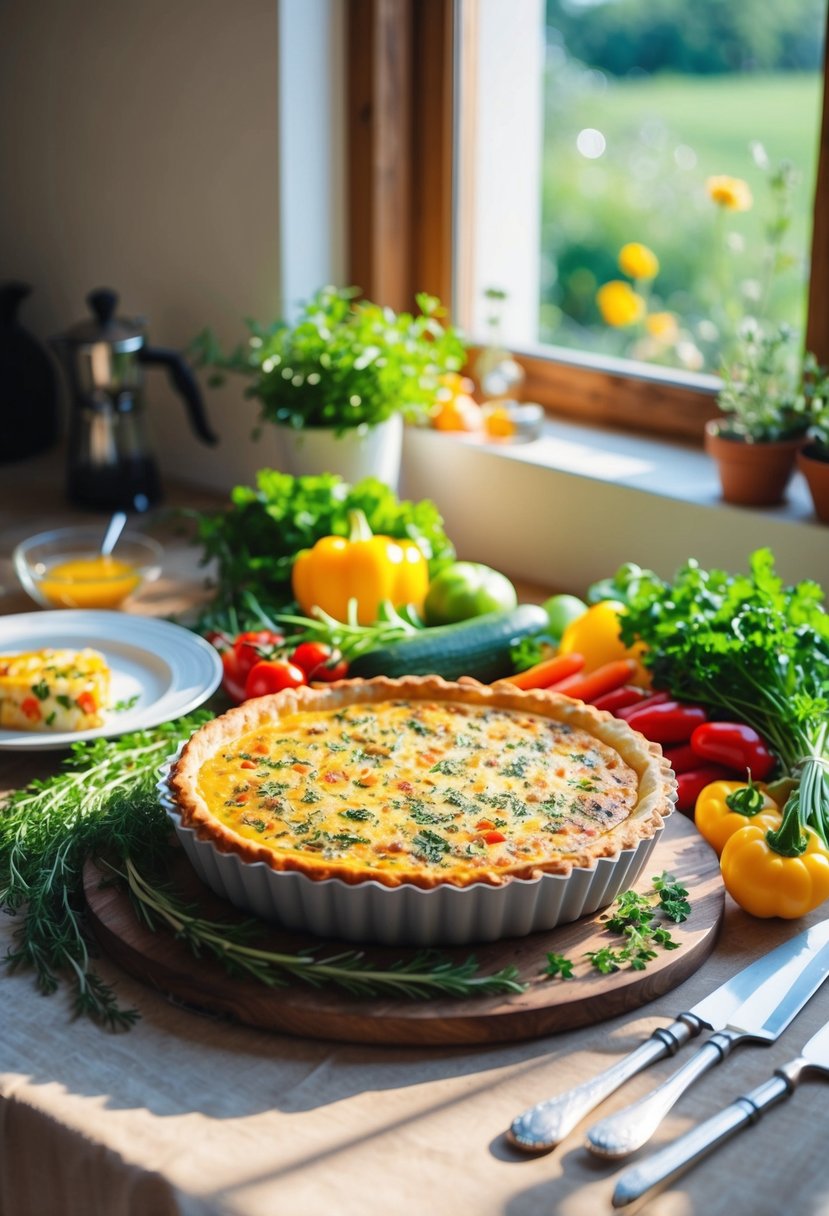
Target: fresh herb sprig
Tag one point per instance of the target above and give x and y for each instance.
(634, 918)
(103, 802)
(754, 648)
(348, 637)
(426, 973)
(104, 805)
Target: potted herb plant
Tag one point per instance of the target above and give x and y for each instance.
(766, 400)
(813, 457)
(338, 382)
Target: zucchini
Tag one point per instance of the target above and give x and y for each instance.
(479, 647)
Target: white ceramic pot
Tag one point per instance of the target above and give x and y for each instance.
(354, 454)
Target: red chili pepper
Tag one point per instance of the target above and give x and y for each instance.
(667, 722)
(690, 784)
(655, 698)
(682, 758)
(736, 745)
(621, 698)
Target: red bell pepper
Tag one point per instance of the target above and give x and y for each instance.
(667, 721)
(737, 746)
(690, 784)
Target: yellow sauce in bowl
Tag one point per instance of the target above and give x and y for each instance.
(89, 582)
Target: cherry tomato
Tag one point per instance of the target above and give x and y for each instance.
(217, 639)
(272, 675)
(233, 681)
(320, 662)
(252, 646)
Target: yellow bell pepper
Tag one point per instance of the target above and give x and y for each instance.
(779, 873)
(362, 567)
(725, 807)
(595, 635)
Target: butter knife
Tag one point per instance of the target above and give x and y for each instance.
(677, 1158)
(543, 1126)
(760, 1019)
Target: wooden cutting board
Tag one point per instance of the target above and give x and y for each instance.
(547, 1006)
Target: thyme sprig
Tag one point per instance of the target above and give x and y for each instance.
(633, 918)
(103, 801)
(103, 805)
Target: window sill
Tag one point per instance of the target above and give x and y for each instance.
(571, 506)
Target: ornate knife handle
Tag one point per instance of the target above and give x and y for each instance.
(622, 1133)
(675, 1159)
(544, 1126)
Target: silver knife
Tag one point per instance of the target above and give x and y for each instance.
(760, 1019)
(678, 1157)
(545, 1125)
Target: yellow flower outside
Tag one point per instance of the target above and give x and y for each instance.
(638, 261)
(663, 326)
(732, 193)
(619, 304)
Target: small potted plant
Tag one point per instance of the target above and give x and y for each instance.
(766, 402)
(338, 382)
(813, 458)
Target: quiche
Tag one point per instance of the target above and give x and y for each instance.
(54, 690)
(422, 782)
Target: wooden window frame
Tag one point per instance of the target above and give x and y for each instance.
(401, 104)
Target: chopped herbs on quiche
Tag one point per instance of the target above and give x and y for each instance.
(407, 790)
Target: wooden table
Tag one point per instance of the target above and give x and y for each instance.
(191, 1114)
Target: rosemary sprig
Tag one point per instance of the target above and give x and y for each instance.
(104, 806)
(426, 973)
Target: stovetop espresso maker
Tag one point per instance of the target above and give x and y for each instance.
(110, 462)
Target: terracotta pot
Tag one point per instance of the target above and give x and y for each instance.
(816, 472)
(752, 474)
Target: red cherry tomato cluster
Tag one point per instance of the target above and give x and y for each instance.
(700, 751)
(261, 661)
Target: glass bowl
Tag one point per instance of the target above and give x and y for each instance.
(64, 568)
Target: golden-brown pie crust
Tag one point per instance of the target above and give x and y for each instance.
(656, 783)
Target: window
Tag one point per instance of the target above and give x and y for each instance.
(414, 65)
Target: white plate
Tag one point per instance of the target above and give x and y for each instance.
(168, 669)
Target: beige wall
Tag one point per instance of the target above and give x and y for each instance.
(139, 150)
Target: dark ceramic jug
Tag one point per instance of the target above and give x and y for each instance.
(29, 417)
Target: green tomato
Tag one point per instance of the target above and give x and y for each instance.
(465, 590)
(561, 610)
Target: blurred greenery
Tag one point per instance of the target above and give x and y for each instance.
(699, 37)
(658, 138)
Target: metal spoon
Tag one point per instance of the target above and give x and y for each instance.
(114, 530)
